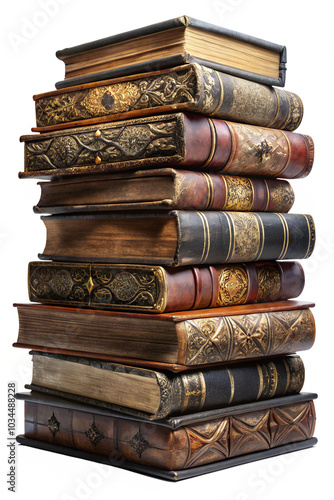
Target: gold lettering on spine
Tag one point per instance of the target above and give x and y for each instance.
(211, 190)
(206, 237)
(232, 385)
(213, 143)
(194, 391)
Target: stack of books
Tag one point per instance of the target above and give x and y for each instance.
(164, 318)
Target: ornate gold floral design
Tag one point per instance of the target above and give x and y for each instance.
(97, 285)
(269, 280)
(104, 145)
(213, 340)
(233, 285)
(240, 195)
(149, 92)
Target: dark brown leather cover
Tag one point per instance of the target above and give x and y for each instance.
(213, 438)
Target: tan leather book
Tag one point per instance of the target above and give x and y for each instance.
(180, 339)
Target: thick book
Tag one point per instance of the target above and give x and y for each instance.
(178, 237)
(157, 289)
(164, 189)
(179, 140)
(191, 87)
(179, 340)
(154, 394)
(171, 43)
(176, 447)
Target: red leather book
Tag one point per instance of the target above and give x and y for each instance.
(157, 289)
(185, 140)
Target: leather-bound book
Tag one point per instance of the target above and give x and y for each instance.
(156, 394)
(180, 340)
(158, 289)
(176, 448)
(188, 141)
(170, 43)
(178, 238)
(186, 88)
(164, 189)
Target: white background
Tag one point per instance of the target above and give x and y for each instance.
(32, 31)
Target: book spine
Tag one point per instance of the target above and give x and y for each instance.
(188, 88)
(240, 100)
(155, 289)
(194, 391)
(221, 237)
(233, 148)
(204, 191)
(181, 140)
(120, 439)
(255, 335)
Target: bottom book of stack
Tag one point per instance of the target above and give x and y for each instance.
(174, 448)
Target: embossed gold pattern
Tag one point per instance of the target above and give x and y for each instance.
(96, 285)
(248, 238)
(268, 149)
(238, 337)
(269, 280)
(113, 144)
(233, 285)
(147, 92)
(240, 193)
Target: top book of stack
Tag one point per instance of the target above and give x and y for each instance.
(172, 43)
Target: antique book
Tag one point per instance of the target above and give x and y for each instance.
(177, 447)
(185, 88)
(155, 394)
(171, 43)
(160, 289)
(180, 339)
(186, 140)
(164, 189)
(178, 237)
